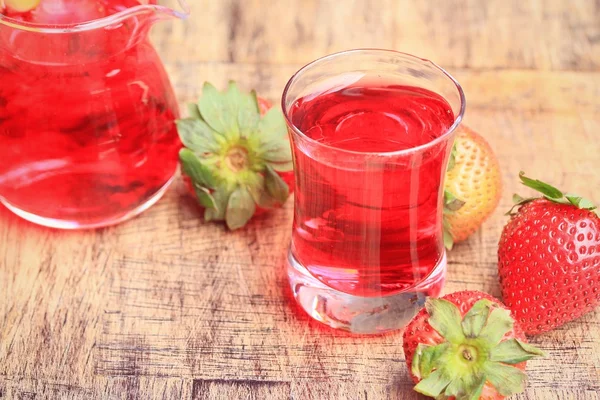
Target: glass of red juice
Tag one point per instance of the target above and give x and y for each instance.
(371, 132)
(87, 131)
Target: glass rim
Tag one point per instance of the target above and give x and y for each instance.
(99, 22)
(457, 119)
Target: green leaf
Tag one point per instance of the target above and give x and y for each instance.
(276, 187)
(259, 194)
(426, 357)
(219, 111)
(513, 351)
(518, 201)
(197, 136)
(517, 198)
(466, 387)
(272, 126)
(531, 348)
(285, 166)
(193, 167)
(248, 113)
(205, 197)
(475, 319)
(448, 239)
(506, 380)
(434, 384)
(580, 202)
(451, 202)
(477, 388)
(547, 190)
(240, 208)
(277, 150)
(498, 324)
(452, 159)
(221, 199)
(445, 318)
(194, 111)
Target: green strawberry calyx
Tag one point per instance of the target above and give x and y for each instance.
(550, 193)
(451, 204)
(472, 354)
(232, 155)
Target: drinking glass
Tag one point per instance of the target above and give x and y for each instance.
(367, 244)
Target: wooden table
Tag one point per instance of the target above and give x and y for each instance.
(167, 307)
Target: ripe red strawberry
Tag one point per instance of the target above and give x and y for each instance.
(466, 345)
(549, 259)
(236, 158)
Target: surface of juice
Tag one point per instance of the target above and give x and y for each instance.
(371, 227)
(87, 129)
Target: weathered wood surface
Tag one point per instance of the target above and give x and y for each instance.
(167, 307)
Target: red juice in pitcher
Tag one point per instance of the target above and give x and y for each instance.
(369, 231)
(87, 133)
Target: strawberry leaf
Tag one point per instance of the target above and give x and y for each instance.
(452, 158)
(221, 198)
(196, 135)
(276, 187)
(518, 201)
(248, 114)
(434, 384)
(277, 152)
(240, 208)
(445, 318)
(204, 197)
(448, 239)
(193, 167)
(219, 111)
(284, 166)
(580, 202)
(272, 126)
(552, 194)
(542, 187)
(499, 322)
(451, 202)
(260, 195)
(506, 380)
(476, 318)
(194, 111)
(425, 359)
(466, 389)
(513, 351)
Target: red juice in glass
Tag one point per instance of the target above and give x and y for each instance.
(370, 153)
(370, 117)
(87, 133)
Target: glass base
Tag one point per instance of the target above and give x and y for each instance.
(100, 223)
(361, 315)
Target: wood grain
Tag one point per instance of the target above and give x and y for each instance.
(167, 307)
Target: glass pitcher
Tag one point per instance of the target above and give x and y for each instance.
(87, 132)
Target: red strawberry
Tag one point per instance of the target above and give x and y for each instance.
(549, 259)
(466, 345)
(236, 157)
